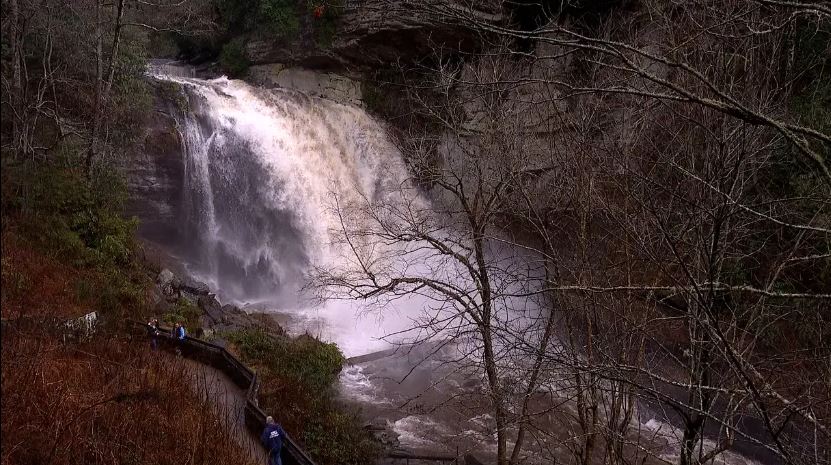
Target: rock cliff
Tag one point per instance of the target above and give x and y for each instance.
(369, 34)
(155, 170)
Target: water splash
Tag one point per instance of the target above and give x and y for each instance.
(262, 169)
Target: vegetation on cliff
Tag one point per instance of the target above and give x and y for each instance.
(66, 251)
(298, 378)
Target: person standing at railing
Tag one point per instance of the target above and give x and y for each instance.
(272, 439)
(180, 332)
(153, 332)
(179, 335)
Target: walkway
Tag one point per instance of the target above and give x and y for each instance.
(229, 404)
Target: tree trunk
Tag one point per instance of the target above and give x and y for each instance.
(103, 85)
(531, 386)
(16, 97)
(99, 78)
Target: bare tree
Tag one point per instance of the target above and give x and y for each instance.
(639, 176)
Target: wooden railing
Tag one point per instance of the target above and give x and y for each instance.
(244, 377)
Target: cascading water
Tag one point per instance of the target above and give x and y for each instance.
(262, 169)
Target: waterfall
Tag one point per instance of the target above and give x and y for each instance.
(262, 169)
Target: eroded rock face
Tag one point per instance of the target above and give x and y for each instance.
(326, 85)
(154, 172)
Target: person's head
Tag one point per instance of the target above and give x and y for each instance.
(269, 420)
(178, 325)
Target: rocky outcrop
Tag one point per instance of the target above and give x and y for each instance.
(368, 34)
(327, 85)
(216, 318)
(384, 434)
(381, 32)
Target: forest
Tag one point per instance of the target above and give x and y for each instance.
(599, 208)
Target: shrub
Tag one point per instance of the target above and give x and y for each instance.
(325, 26)
(233, 59)
(185, 312)
(280, 17)
(297, 380)
(76, 225)
(305, 360)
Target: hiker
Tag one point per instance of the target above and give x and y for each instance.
(153, 332)
(272, 439)
(180, 332)
(179, 337)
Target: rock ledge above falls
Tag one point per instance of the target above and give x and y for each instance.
(326, 85)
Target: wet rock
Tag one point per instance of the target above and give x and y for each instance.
(326, 85)
(211, 309)
(383, 433)
(154, 170)
(196, 288)
(215, 318)
(165, 277)
(231, 309)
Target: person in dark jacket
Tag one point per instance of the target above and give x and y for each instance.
(272, 439)
(153, 331)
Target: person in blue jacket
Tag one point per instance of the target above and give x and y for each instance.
(180, 332)
(272, 439)
(179, 335)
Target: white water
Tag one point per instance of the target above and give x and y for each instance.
(263, 169)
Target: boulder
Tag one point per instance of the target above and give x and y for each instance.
(211, 309)
(166, 283)
(380, 429)
(196, 288)
(231, 309)
(165, 277)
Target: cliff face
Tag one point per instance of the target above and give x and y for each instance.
(368, 34)
(155, 170)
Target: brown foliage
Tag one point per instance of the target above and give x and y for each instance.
(104, 402)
